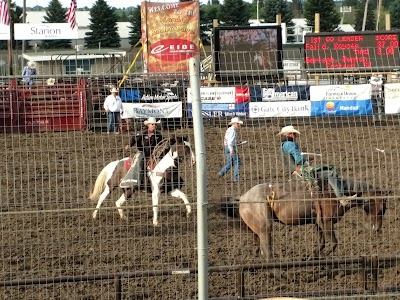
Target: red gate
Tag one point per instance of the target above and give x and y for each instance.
(8, 115)
(58, 107)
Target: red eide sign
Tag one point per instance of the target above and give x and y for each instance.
(173, 50)
(352, 51)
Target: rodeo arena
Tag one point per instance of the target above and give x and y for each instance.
(71, 230)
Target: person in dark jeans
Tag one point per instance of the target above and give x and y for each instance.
(230, 149)
(295, 162)
(145, 142)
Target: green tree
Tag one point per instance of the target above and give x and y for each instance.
(297, 8)
(135, 33)
(16, 17)
(207, 14)
(274, 7)
(351, 2)
(55, 13)
(123, 17)
(103, 27)
(359, 17)
(329, 17)
(234, 12)
(394, 9)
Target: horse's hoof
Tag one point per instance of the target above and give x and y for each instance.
(94, 216)
(124, 218)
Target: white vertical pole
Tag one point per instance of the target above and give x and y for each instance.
(365, 15)
(201, 178)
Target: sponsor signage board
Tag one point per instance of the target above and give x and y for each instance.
(5, 34)
(222, 95)
(170, 33)
(392, 98)
(163, 110)
(222, 110)
(280, 109)
(45, 31)
(341, 100)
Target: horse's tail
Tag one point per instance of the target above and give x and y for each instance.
(230, 205)
(99, 185)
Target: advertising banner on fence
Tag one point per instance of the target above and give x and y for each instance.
(170, 35)
(341, 100)
(148, 95)
(157, 110)
(222, 110)
(45, 31)
(392, 98)
(222, 95)
(280, 109)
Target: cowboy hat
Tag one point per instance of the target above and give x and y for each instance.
(51, 81)
(151, 120)
(114, 90)
(288, 129)
(235, 120)
(31, 64)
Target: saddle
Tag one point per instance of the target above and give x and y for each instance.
(310, 178)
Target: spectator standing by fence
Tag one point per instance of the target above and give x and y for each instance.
(230, 148)
(113, 108)
(29, 73)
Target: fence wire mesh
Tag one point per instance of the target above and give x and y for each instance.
(55, 145)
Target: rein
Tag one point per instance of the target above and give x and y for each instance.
(157, 153)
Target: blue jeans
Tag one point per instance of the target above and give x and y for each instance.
(234, 161)
(113, 121)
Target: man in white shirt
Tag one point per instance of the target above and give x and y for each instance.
(230, 148)
(113, 107)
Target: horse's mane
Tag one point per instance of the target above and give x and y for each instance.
(353, 185)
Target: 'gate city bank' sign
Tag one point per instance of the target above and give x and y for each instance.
(45, 31)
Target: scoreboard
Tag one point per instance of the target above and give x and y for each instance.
(378, 51)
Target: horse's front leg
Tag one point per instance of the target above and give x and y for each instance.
(179, 194)
(266, 235)
(321, 244)
(330, 233)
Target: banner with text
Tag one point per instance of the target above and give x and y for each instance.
(157, 110)
(237, 94)
(280, 109)
(222, 110)
(392, 98)
(5, 33)
(341, 100)
(170, 33)
(45, 31)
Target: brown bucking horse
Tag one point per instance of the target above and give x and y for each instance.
(292, 204)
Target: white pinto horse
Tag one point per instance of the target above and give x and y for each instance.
(165, 172)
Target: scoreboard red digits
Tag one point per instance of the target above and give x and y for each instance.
(352, 51)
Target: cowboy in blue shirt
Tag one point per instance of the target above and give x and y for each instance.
(295, 162)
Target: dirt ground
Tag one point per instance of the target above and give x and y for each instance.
(47, 228)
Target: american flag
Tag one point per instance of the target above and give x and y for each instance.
(4, 13)
(71, 17)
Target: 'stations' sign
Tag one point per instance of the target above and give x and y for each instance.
(350, 51)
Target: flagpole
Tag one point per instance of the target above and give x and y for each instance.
(23, 41)
(9, 42)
